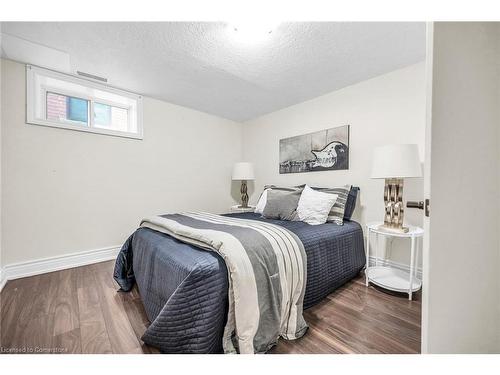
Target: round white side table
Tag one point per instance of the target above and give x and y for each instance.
(389, 277)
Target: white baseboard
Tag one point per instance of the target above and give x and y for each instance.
(39, 266)
(390, 263)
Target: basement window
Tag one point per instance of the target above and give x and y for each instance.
(64, 101)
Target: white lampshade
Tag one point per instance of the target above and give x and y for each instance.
(243, 171)
(396, 161)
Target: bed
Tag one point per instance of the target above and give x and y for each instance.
(184, 289)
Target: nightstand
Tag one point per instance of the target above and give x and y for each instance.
(238, 209)
(389, 277)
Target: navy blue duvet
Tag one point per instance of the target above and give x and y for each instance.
(184, 289)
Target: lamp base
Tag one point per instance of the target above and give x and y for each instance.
(244, 195)
(394, 209)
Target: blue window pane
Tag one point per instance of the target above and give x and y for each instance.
(102, 114)
(77, 109)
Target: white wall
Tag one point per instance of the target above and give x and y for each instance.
(462, 301)
(66, 191)
(383, 110)
(498, 273)
(1, 260)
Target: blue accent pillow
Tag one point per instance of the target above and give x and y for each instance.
(351, 202)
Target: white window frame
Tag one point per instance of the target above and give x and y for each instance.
(32, 92)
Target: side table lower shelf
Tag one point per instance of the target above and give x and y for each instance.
(392, 279)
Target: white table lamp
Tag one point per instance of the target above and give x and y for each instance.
(394, 163)
(243, 172)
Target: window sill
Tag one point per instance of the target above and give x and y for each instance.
(80, 128)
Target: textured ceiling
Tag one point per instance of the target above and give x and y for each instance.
(204, 66)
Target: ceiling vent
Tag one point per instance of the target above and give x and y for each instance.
(91, 76)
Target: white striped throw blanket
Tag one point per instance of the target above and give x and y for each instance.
(267, 275)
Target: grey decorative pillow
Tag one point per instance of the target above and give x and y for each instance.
(261, 202)
(284, 188)
(336, 214)
(281, 204)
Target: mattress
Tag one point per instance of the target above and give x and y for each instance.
(184, 288)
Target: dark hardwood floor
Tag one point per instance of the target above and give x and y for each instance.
(79, 311)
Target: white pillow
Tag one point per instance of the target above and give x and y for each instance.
(314, 206)
(261, 204)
